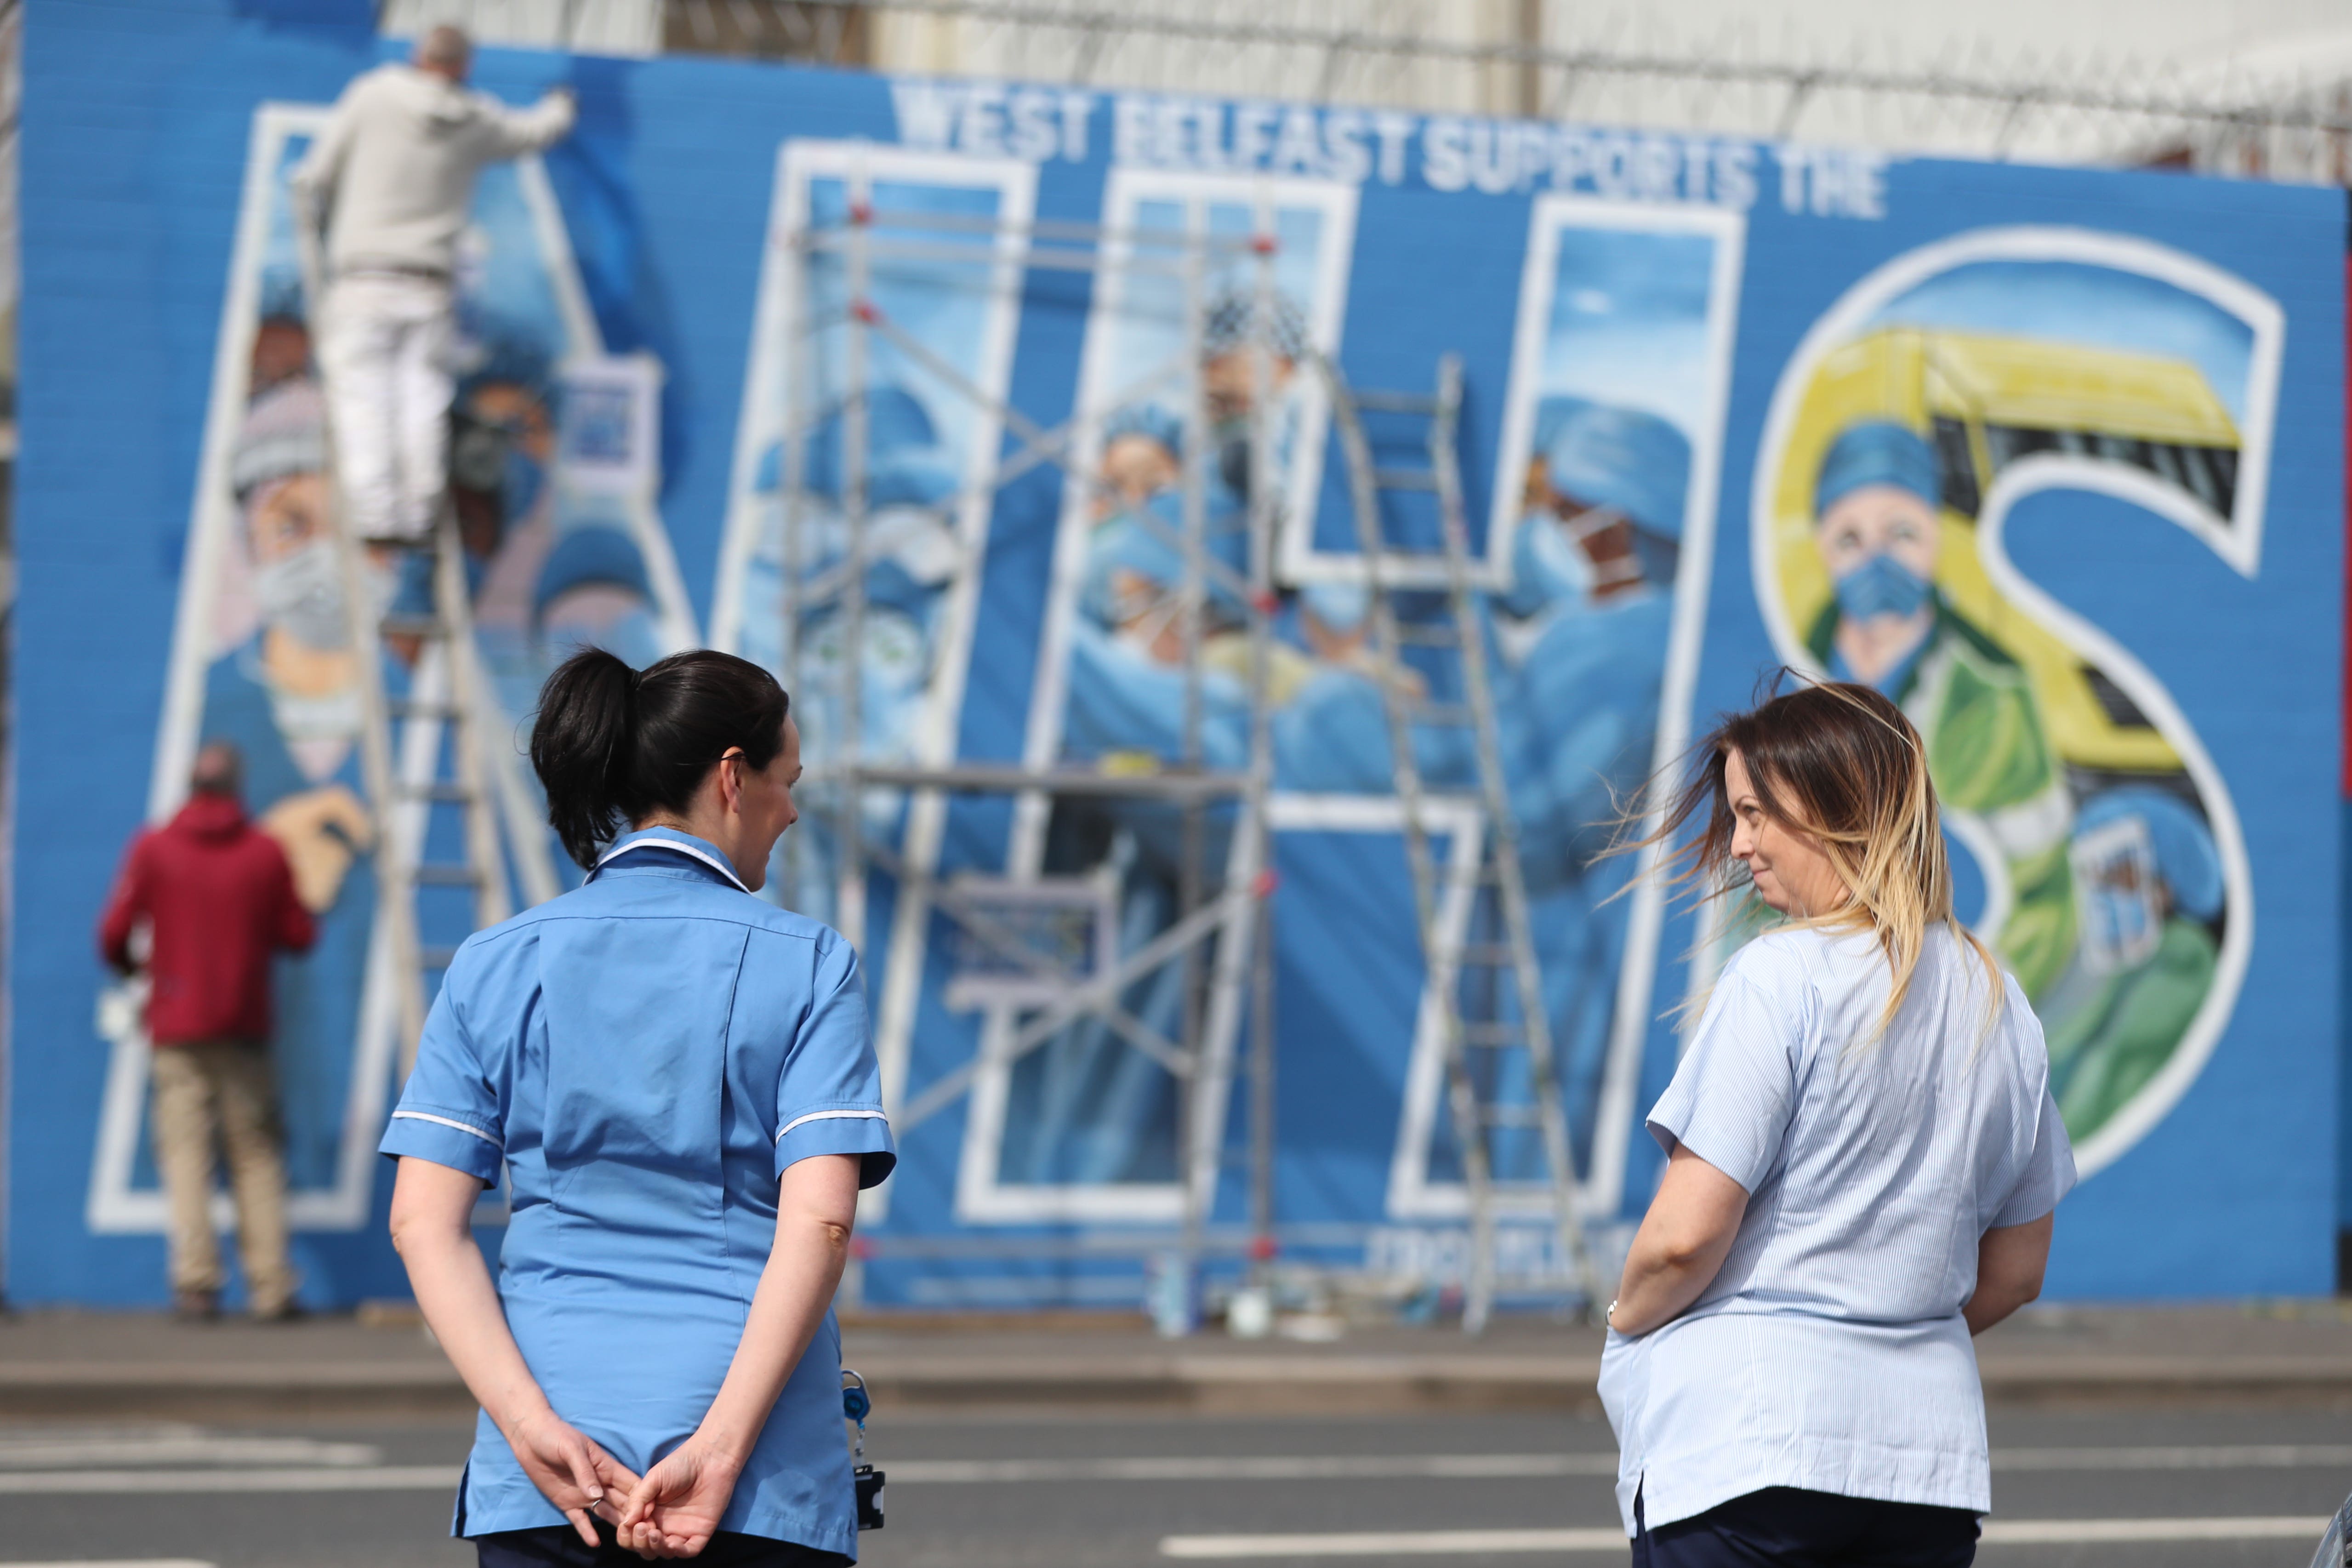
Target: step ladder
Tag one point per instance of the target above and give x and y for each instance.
(1485, 980)
(422, 754)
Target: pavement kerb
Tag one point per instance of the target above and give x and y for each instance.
(1166, 1381)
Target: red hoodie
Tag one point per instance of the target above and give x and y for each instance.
(218, 896)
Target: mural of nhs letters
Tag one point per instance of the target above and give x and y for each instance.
(1084, 1126)
(554, 504)
(2040, 375)
(1598, 551)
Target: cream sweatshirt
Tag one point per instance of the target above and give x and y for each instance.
(394, 171)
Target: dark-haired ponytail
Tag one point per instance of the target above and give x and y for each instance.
(580, 745)
(613, 745)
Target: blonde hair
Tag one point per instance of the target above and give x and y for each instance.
(1840, 764)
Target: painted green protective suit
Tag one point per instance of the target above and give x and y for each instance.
(1990, 757)
(2110, 1034)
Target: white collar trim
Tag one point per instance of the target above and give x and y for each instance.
(694, 851)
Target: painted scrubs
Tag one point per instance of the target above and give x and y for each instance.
(2110, 1034)
(647, 1053)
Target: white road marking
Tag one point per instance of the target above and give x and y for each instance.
(1394, 1543)
(2249, 1456)
(1462, 1466)
(20, 1453)
(2071, 1531)
(1490, 1543)
(1269, 1467)
(26, 1469)
(347, 1479)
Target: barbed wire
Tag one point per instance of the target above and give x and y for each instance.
(1801, 81)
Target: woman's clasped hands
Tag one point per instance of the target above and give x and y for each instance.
(673, 1511)
(670, 1512)
(570, 1470)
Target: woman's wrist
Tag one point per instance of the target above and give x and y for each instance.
(521, 1412)
(725, 1443)
(1629, 1316)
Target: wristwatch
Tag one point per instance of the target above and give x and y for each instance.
(1610, 1317)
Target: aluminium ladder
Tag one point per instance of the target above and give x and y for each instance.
(449, 700)
(1480, 1032)
(433, 758)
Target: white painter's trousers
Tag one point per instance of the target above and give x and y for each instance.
(386, 357)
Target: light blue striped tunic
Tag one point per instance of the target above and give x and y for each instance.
(646, 1056)
(1829, 1352)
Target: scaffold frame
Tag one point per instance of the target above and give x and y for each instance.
(1220, 931)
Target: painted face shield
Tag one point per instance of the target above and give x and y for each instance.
(2119, 901)
(2140, 856)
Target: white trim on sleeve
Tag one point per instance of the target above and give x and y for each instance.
(832, 1116)
(445, 1122)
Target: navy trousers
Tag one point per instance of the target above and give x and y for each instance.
(1781, 1527)
(559, 1546)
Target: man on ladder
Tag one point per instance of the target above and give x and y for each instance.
(392, 181)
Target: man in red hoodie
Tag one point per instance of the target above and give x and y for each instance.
(216, 900)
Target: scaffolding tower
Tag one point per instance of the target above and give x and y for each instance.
(1219, 936)
(1220, 933)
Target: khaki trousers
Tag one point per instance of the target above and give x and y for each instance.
(223, 1089)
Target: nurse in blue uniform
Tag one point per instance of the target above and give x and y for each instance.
(679, 1081)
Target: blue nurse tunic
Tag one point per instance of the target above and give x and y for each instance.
(647, 1053)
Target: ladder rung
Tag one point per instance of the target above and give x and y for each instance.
(435, 957)
(409, 707)
(1487, 955)
(1511, 1115)
(440, 875)
(444, 790)
(399, 625)
(1396, 401)
(1404, 478)
(1493, 1035)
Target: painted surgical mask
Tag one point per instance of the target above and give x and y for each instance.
(1550, 566)
(1882, 585)
(1142, 635)
(303, 592)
